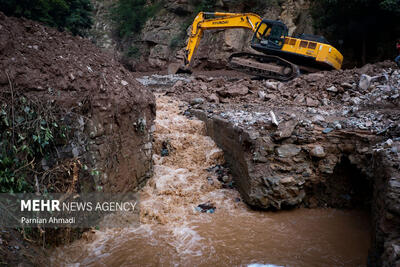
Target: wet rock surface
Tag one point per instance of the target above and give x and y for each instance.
(316, 141)
(164, 35)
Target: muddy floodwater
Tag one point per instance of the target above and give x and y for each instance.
(173, 233)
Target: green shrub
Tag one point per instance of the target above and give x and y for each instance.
(131, 15)
(133, 51)
(364, 26)
(71, 15)
(29, 132)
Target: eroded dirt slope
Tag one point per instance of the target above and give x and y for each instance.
(114, 112)
(109, 114)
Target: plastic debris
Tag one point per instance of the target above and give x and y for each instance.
(327, 130)
(206, 208)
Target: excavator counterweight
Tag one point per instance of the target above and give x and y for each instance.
(280, 56)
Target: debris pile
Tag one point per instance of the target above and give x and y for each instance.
(111, 114)
(322, 139)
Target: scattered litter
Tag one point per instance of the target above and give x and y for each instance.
(206, 208)
(327, 130)
(166, 147)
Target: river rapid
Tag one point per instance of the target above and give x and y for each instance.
(172, 232)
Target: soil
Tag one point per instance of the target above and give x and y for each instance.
(72, 73)
(109, 113)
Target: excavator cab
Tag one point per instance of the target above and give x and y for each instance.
(269, 35)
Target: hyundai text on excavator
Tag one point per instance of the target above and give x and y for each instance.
(283, 56)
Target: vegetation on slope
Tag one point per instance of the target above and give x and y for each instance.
(71, 15)
(131, 15)
(367, 28)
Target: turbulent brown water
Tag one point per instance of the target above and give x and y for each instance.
(173, 233)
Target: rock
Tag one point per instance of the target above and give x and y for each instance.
(311, 102)
(173, 68)
(273, 118)
(285, 130)
(213, 98)
(288, 150)
(124, 83)
(270, 97)
(367, 68)
(314, 77)
(261, 95)
(337, 125)
(232, 91)
(230, 39)
(317, 118)
(355, 101)
(346, 85)
(332, 89)
(318, 152)
(178, 84)
(346, 97)
(180, 8)
(388, 143)
(272, 85)
(328, 164)
(288, 181)
(299, 99)
(197, 101)
(225, 178)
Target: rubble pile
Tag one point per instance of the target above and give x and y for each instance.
(338, 99)
(319, 140)
(111, 114)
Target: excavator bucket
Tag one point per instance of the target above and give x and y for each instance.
(175, 68)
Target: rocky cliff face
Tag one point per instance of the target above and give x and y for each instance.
(164, 35)
(101, 32)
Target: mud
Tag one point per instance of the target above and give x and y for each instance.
(110, 112)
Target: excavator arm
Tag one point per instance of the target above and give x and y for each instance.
(217, 20)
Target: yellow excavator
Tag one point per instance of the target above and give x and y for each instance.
(283, 56)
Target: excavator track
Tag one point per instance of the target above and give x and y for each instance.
(265, 66)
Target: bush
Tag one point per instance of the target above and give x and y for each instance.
(131, 15)
(133, 51)
(71, 15)
(29, 132)
(364, 26)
